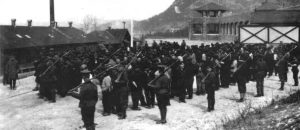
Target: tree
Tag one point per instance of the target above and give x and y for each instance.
(90, 23)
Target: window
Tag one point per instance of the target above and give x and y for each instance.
(27, 36)
(50, 35)
(197, 28)
(212, 28)
(19, 36)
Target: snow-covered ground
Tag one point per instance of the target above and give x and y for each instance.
(27, 112)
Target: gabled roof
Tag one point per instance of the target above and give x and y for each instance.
(276, 17)
(211, 6)
(268, 6)
(119, 34)
(102, 36)
(24, 36)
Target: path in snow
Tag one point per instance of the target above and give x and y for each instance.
(26, 112)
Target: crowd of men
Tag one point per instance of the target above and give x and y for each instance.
(162, 71)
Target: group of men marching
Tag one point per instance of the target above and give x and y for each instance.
(162, 71)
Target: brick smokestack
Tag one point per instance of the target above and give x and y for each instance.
(52, 15)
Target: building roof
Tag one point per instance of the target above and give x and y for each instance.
(297, 7)
(119, 34)
(113, 36)
(24, 36)
(211, 7)
(268, 6)
(102, 36)
(276, 17)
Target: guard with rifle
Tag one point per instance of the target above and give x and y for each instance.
(88, 96)
(121, 87)
(48, 81)
(122, 91)
(241, 75)
(161, 85)
(282, 67)
(210, 85)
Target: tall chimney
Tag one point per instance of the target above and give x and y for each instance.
(124, 24)
(13, 22)
(52, 16)
(29, 23)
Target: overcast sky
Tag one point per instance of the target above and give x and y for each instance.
(75, 10)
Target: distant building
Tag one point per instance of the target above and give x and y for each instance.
(211, 22)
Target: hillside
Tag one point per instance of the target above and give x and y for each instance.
(170, 19)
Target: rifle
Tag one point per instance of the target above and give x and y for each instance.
(277, 63)
(96, 76)
(107, 59)
(53, 64)
(169, 67)
(132, 60)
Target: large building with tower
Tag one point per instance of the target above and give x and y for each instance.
(268, 23)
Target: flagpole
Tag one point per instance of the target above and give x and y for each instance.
(131, 40)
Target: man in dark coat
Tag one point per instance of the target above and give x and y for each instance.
(241, 75)
(180, 82)
(149, 92)
(269, 58)
(295, 70)
(88, 96)
(11, 70)
(48, 81)
(135, 87)
(282, 67)
(161, 85)
(121, 92)
(210, 86)
(261, 71)
(190, 71)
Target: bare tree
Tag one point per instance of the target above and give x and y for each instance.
(90, 23)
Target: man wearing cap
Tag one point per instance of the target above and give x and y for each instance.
(88, 96)
(161, 86)
(210, 86)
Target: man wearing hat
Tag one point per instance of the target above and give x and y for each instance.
(11, 70)
(88, 96)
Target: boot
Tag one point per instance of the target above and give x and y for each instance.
(242, 95)
(282, 86)
(163, 114)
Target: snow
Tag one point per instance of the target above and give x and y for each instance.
(179, 40)
(27, 112)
